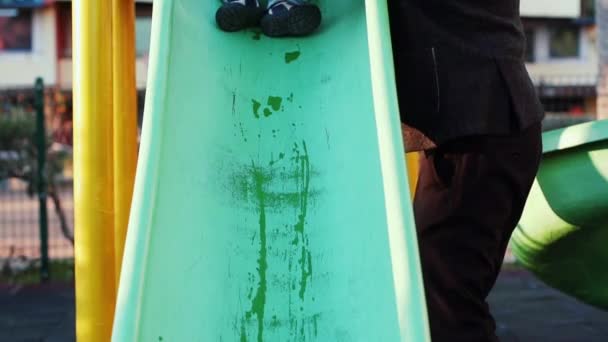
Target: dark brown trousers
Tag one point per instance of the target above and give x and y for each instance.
(469, 198)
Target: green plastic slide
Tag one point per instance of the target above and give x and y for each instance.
(271, 199)
(563, 234)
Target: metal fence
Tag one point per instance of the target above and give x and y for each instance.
(20, 223)
(36, 202)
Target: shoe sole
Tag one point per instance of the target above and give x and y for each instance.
(300, 21)
(237, 17)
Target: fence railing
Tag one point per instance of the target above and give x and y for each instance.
(36, 204)
(19, 223)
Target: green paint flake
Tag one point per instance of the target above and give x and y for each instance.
(306, 267)
(243, 187)
(302, 161)
(275, 102)
(293, 325)
(259, 301)
(256, 108)
(243, 135)
(243, 333)
(250, 294)
(254, 184)
(309, 264)
(304, 192)
(289, 262)
(267, 112)
(291, 56)
(272, 163)
(275, 323)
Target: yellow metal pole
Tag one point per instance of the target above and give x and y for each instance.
(93, 170)
(413, 170)
(125, 120)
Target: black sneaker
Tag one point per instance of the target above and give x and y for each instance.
(235, 15)
(291, 18)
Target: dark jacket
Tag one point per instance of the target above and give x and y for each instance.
(460, 67)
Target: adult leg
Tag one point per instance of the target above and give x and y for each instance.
(469, 198)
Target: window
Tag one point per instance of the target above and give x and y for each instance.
(530, 44)
(143, 29)
(64, 42)
(588, 8)
(564, 42)
(15, 30)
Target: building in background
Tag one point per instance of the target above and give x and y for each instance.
(36, 41)
(562, 55)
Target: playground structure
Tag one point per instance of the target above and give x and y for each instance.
(563, 233)
(105, 147)
(271, 200)
(248, 188)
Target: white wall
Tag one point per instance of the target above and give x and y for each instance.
(66, 72)
(570, 73)
(550, 8)
(20, 69)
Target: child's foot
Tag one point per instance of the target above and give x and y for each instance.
(235, 15)
(291, 18)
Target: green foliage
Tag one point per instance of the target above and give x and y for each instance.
(16, 130)
(19, 154)
(17, 148)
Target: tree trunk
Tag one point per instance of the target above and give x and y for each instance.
(63, 222)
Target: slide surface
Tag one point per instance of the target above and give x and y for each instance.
(271, 199)
(563, 234)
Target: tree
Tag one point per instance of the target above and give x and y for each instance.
(18, 159)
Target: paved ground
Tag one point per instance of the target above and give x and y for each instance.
(37, 314)
(525, 310)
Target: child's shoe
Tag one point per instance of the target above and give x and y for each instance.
(235, 15)
(290, 18)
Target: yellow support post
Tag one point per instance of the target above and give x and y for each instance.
(413, 170)
(125, 120)
(93, 170)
